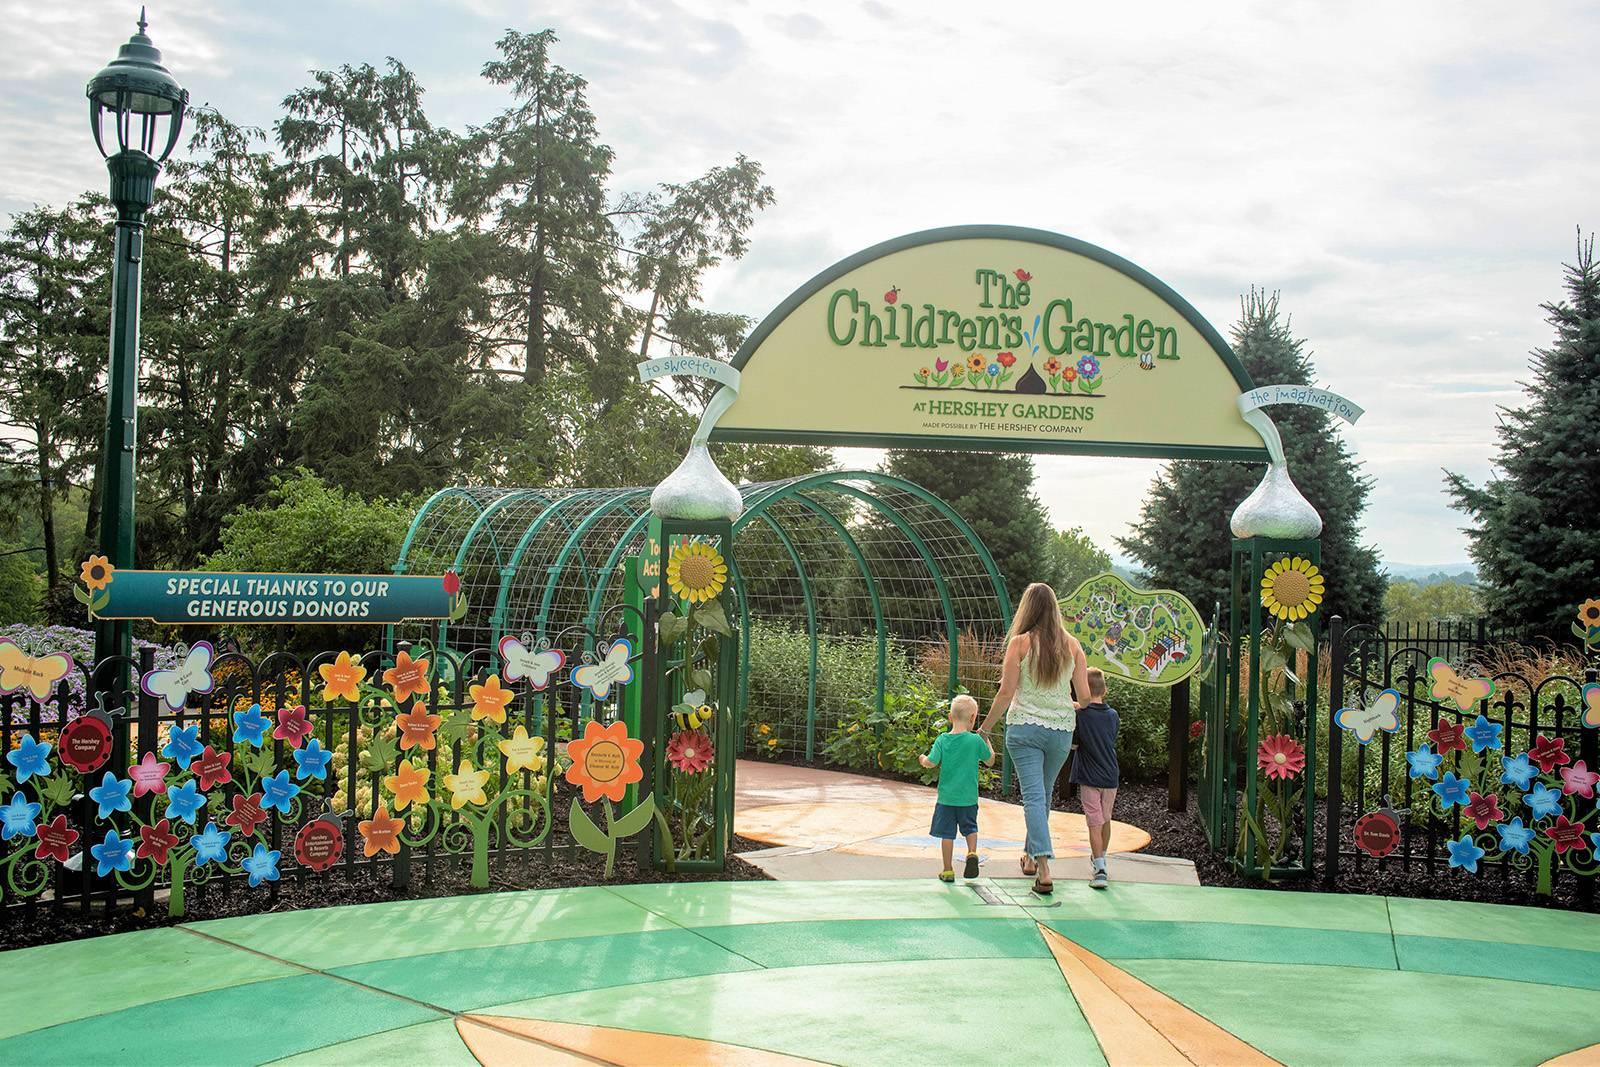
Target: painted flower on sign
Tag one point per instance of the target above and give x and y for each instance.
(1006, 359)
(416, 727)
(1292, 588)
(1483, 809)
(1088, 366)
(605, 761)
(18, 818)
(1448, 737)
(408, 784)
(183, 745)
(55, 840)
(1549, 753)
(1451, 791)
(294, 725)
(1517, 771)
(1465, 853)
(1578, 780)
(1565, 835)
(1484, 734)
(690, 751)
(1281, 756)
(156, 841)
(111, 854)
(261, 865)
(250, 726)
(1515, 837)
(975, 363)
(30, 759)
(111, 795)
(381, 833)
(341, 679)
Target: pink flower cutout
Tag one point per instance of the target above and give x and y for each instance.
(690, 751)
(1578, 779)
(149, 775)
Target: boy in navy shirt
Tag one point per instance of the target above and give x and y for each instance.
(957, 755)
(1094, 770)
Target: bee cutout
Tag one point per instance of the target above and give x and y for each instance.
(687, 717)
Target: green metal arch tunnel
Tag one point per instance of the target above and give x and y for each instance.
(851, 585)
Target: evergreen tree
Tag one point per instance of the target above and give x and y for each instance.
(1536, 531)
(1182, 538)
(1074, 559)
(994, 493)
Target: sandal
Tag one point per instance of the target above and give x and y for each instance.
(1023, 863)
(1044, 889)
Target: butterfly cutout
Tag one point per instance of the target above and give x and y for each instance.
(523, 662)
(1591, 704)
(612, 669)
(1449, 685)
(38, 675)
(1381, 714)
(193, 675)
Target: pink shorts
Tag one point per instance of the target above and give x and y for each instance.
(1096, 804)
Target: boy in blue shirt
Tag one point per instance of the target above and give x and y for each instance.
(957, 755)
(1095, 771)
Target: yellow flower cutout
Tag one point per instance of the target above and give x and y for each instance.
(696, 572)
(1292, 588)
(522, 753)
(489, 700)
(96, 573)
(341, 679)
(466, 786)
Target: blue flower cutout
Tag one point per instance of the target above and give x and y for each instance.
(1514, 837)
(183, 745)
(112, 854)
(1484, 734)
(185, 802)
(311, 761)
(1594, 844)
(1088, 366)
(1543, 801)
(250, 726)
(18, 818)
(112, 794)
(1452, 790)
(1424, 762)
(210, 844)
(1517, 771)
(277, 791)
(30, 758)
(1464, 853)
(261, 865)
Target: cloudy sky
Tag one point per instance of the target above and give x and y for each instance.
(1408, 175)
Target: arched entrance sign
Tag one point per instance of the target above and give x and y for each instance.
(992, 337)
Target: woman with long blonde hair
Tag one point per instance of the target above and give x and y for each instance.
(1044, 666)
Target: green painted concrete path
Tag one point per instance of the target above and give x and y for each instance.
(837, 972)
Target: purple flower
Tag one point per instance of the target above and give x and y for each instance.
(1089, 367)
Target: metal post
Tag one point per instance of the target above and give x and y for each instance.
(1335, 819)
(1178, 748)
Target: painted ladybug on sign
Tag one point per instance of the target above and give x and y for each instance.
(1377, 833)
(319, 844)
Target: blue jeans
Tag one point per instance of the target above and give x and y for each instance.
(1037, 754)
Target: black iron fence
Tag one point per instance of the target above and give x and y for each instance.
(249, 775)
(1439, 768)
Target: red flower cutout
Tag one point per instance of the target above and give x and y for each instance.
(452, 583)
(55, 840)
(1006, 359)
(1448, 737)
(1549, 753)
(1196, 728)
(294, 725)
(1565, 835)
(156, 841)
(1281, 756)
(211, 768)
(247, 813)
(1484, 809)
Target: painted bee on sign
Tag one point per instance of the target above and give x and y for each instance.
(1147, 361)
(692, 718)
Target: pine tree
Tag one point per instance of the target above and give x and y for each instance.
(1536, 532)
(994, 493)
(1182, 538)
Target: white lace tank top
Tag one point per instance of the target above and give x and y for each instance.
(1048, 706)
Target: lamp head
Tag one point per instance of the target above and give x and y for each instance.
(136, 85)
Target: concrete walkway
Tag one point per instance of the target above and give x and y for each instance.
(830, 826)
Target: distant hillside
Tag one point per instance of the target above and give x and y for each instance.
(1433, 573)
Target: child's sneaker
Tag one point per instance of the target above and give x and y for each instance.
(1098, 879)
(947, 876)
(972, 866)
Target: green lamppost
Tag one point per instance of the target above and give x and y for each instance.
(144, 105)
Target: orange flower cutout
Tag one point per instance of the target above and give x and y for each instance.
(409, 784)
(416, 728)
(605, 761)
(96, 573)
(489, 700)
(408, 677)
(341, 679)
(381, 833)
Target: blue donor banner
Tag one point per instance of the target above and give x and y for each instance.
(193, 597)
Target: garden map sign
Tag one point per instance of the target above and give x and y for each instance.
(992, 337)
(178, 598)
(1144, 636)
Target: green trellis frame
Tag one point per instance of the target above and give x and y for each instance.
(842, 557)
